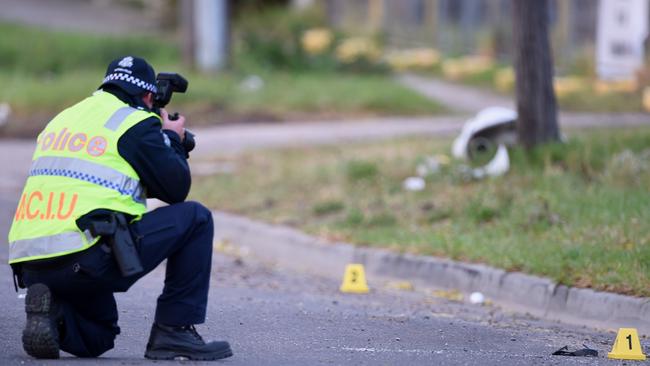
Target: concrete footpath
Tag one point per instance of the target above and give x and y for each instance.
(289, 248)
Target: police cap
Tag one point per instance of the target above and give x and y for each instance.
(132, 74)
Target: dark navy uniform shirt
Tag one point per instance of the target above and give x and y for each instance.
(158, 156)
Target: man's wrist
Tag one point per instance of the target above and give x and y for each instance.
(175, 134)
(176, 143)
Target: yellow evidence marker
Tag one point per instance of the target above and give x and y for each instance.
(354, 280)
(627, 345)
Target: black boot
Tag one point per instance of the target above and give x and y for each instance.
(168, 343)
(41, 336)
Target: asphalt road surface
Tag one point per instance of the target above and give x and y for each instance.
(273, 316)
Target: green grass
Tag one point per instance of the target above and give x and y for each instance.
(220, 98)
(284, 94)
(577, 212)
(45, 52)
(60, 68)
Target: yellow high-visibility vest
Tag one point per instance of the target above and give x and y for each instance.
(76, 168)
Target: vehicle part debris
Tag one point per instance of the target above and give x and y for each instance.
(585, 352)
(431, 165)
(252, 83)
(414, 184)
(476, 298)
(484, 139)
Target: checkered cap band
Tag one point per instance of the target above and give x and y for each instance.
(132, 80)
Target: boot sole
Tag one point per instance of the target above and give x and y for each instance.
(176, 355)
(40, 340)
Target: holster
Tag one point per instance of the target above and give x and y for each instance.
(116, 232)
(17, 274)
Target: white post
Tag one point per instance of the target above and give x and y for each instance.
(211, 30)
(622, 29)
(301, 4)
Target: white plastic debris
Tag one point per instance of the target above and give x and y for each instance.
(5, 112)
(494, 126)
(486, 118)
(423, 170)
(21, 296)
(431, 165)
(252, 83)
(414, 184)
(476, 298)
(499, 165)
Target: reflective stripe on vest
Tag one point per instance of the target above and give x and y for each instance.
(118, 117)
(89, 172)
(68, 241)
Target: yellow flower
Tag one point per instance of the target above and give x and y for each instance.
(568, 85)
(353, 49)
(413, 58)
(617, 86)
(504, 79)
(455, 69)
(646, 98)
(472, 65)
(316, 41)
(452, 69)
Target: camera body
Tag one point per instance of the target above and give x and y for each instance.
(167, 84)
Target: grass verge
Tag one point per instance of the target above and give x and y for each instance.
(46, 52)
(576, 212)
(60, 68)
(224, 98)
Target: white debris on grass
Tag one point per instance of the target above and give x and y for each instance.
(252, 83)
(476, 298)
(414, 184)
(499, 165)
(431, 165)
(488, 120)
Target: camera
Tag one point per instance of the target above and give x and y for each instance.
(167, 84)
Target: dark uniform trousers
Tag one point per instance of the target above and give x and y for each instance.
(181, 233)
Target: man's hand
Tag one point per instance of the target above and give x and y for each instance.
(177, 126)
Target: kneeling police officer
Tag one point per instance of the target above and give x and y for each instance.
(81, 231)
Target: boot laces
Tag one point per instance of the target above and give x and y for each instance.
(192, 330)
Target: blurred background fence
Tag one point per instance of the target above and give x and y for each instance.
(461, 27)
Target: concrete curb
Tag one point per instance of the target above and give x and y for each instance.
(538, 296)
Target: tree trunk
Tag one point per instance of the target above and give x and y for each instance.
(536, 105)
